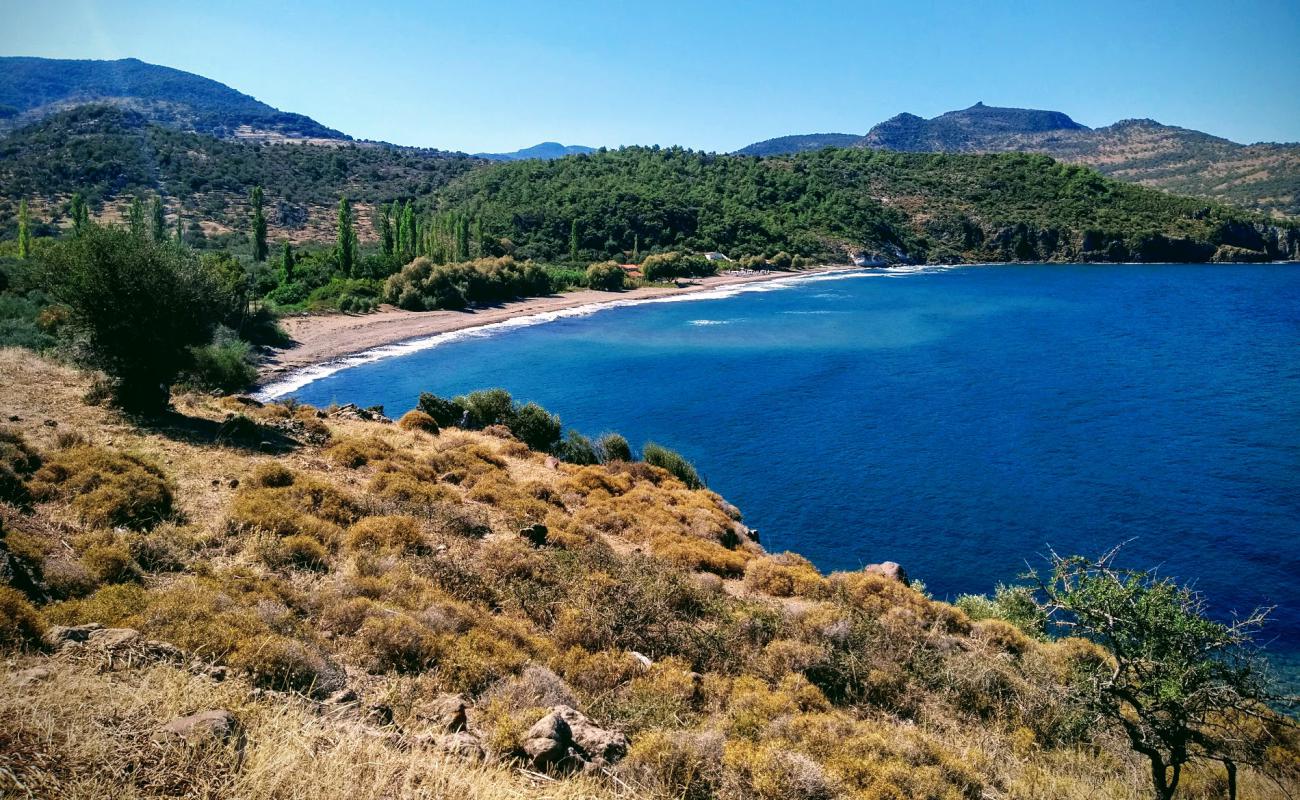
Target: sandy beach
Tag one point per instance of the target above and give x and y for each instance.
(321, 338)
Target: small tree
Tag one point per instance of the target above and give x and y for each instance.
(79, 213)
(1181, 686)
(606, 275)
(135, 217)
(140, 305)
(287, 264)
(573, 240)
(259, 225)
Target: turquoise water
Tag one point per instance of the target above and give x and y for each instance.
(959, 421)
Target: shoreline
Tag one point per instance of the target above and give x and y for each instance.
(323, 343)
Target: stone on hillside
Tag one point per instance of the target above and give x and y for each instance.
(445, 713)
(888, 569)
(459, 743)
(565, 738)
(59, 635)
(31, 676)
(216, 725)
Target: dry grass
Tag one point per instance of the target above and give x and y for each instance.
(87, 735)
(392, 560)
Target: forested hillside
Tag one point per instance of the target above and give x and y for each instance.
(34, 88)
(109, 154)
(825, 204)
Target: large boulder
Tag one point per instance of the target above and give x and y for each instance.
(566, 739)
(888, 569)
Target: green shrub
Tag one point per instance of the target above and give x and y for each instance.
(224, 364)
(607, 276)
(535, 427)
(613, 447)
(576, 449)
(671, 460)
(106, 488)
(487, 407)
(446, 413)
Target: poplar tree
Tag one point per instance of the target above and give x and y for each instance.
(480, 240)
(135, 217)
(259, 225)
(24, 231)
(573, 240)
(79, 213)
(347, 239)
(462, 239)
(408, 232)
(386, 230)
(286, 264)
(157, 220)
(180, 229)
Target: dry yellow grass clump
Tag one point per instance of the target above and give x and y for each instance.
(397, 611)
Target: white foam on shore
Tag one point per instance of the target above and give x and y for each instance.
(297, 379)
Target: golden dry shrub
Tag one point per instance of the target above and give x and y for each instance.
(17, 462)
(106, 488)
(21, 626)
(774, 771)
(677, 763)
(498, 646)
(353, 452)
(272, 475)
(108, 559)
(394, 642)
(877, 595)
(406, 488)
(113, 605)
(1001, 635)
(699, 554)
(306, 507)
(589, 479)
(598, 673)
(784, 575)
(285, 664)
(389, 533)
(417, 420)
(664, 695)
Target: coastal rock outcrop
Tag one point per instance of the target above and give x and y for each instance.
(888, 569)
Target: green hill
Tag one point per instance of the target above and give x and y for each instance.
(34, 88)
(825, 204)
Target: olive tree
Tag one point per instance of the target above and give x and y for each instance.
(138, 305)
(1181, 686)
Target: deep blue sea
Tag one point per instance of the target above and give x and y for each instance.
(960, 421)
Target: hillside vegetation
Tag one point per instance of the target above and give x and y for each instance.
(371, 610)
(824, 204)
(33, 88)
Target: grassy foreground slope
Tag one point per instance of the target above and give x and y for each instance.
(917, 206)
(343, 586)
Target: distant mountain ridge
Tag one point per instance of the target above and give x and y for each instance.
(32, 89)
(1263, 177)
(788, 145)
(544, 151)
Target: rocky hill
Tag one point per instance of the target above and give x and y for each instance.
(246, 600)
(32, 89)
(785, 145)
(1262, 177)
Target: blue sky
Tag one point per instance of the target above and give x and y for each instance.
(714, 76)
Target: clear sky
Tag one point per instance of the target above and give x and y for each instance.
(505, 74)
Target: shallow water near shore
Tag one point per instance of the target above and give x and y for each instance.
(960, 421)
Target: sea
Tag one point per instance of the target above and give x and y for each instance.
(965, 422)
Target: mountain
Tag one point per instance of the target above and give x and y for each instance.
(1262, 177)
(829, 203)
(110, 154)
(969, 130)
(785, 145)
(34, 88)
(544, 151)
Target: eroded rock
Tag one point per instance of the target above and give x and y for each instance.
(888, 569)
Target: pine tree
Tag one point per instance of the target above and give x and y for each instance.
(24, 230)
(286, 264)
(135, 217)
(573, 240)
(636, 247)
(79, 213)
(157, 220)
(347, 239)
(259, 225)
